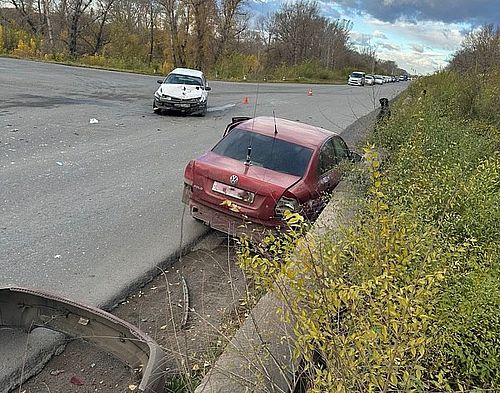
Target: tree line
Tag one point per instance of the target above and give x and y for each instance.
(479, 52)
(217, 36)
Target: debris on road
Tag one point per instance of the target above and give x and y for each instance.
(93, 121)
(76, 381)
(108, 332)
(185, 293)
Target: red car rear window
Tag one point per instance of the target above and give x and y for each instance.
(268, 152)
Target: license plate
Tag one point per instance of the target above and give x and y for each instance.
(183, 105)
(234, 192)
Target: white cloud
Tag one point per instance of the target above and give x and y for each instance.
(379, 34)
(390, 47)
(434, 34)
(420, 62)
(423, 47)
(361, 39)
(476, 12)
(417, 48)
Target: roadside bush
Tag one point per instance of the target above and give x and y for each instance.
(26, 47)
(468, 354)
(310, 71)
(56, 56)
(94, 60)
(361, 305)
(239, 66)
(2, 45)
(489, 104)
(445, 165)
(406, 297)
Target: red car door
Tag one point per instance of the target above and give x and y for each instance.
(327, 179)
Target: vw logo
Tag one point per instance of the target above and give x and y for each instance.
(233, 179)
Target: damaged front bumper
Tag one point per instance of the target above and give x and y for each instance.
(178, 105)
(27, 309)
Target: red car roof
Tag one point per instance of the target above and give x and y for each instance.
(288, 130)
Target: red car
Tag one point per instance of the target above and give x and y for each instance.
(262, 167)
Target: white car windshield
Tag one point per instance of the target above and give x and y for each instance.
(178, 79)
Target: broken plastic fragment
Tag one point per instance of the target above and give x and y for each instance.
(76, 381)
(93, 121)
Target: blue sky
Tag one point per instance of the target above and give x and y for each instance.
(419, 35)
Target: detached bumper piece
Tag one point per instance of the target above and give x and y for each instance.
(27, 309)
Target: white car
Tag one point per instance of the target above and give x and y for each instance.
(356, 78)
(379, 79)
(369, 80)
(183, 90)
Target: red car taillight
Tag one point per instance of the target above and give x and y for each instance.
(189, 173)
(286, 203)
(188, 182)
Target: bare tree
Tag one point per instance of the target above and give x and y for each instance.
(480, 51)
(28, 14)
(231, 21)
(102, 19)
(203, 10)
(76, 9)
(177, 18)
(338, 32)
(301, 33)
(48, 21)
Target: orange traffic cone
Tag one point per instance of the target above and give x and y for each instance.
(310, 92)
(245, 100)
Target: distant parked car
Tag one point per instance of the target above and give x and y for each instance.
(356, 78)
(261, 168)
(369, 80)
(183, 90)
(379, 79)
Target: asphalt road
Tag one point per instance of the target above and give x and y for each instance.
(88, 209)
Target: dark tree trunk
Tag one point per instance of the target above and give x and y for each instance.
(100, 35)
(151, 36)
